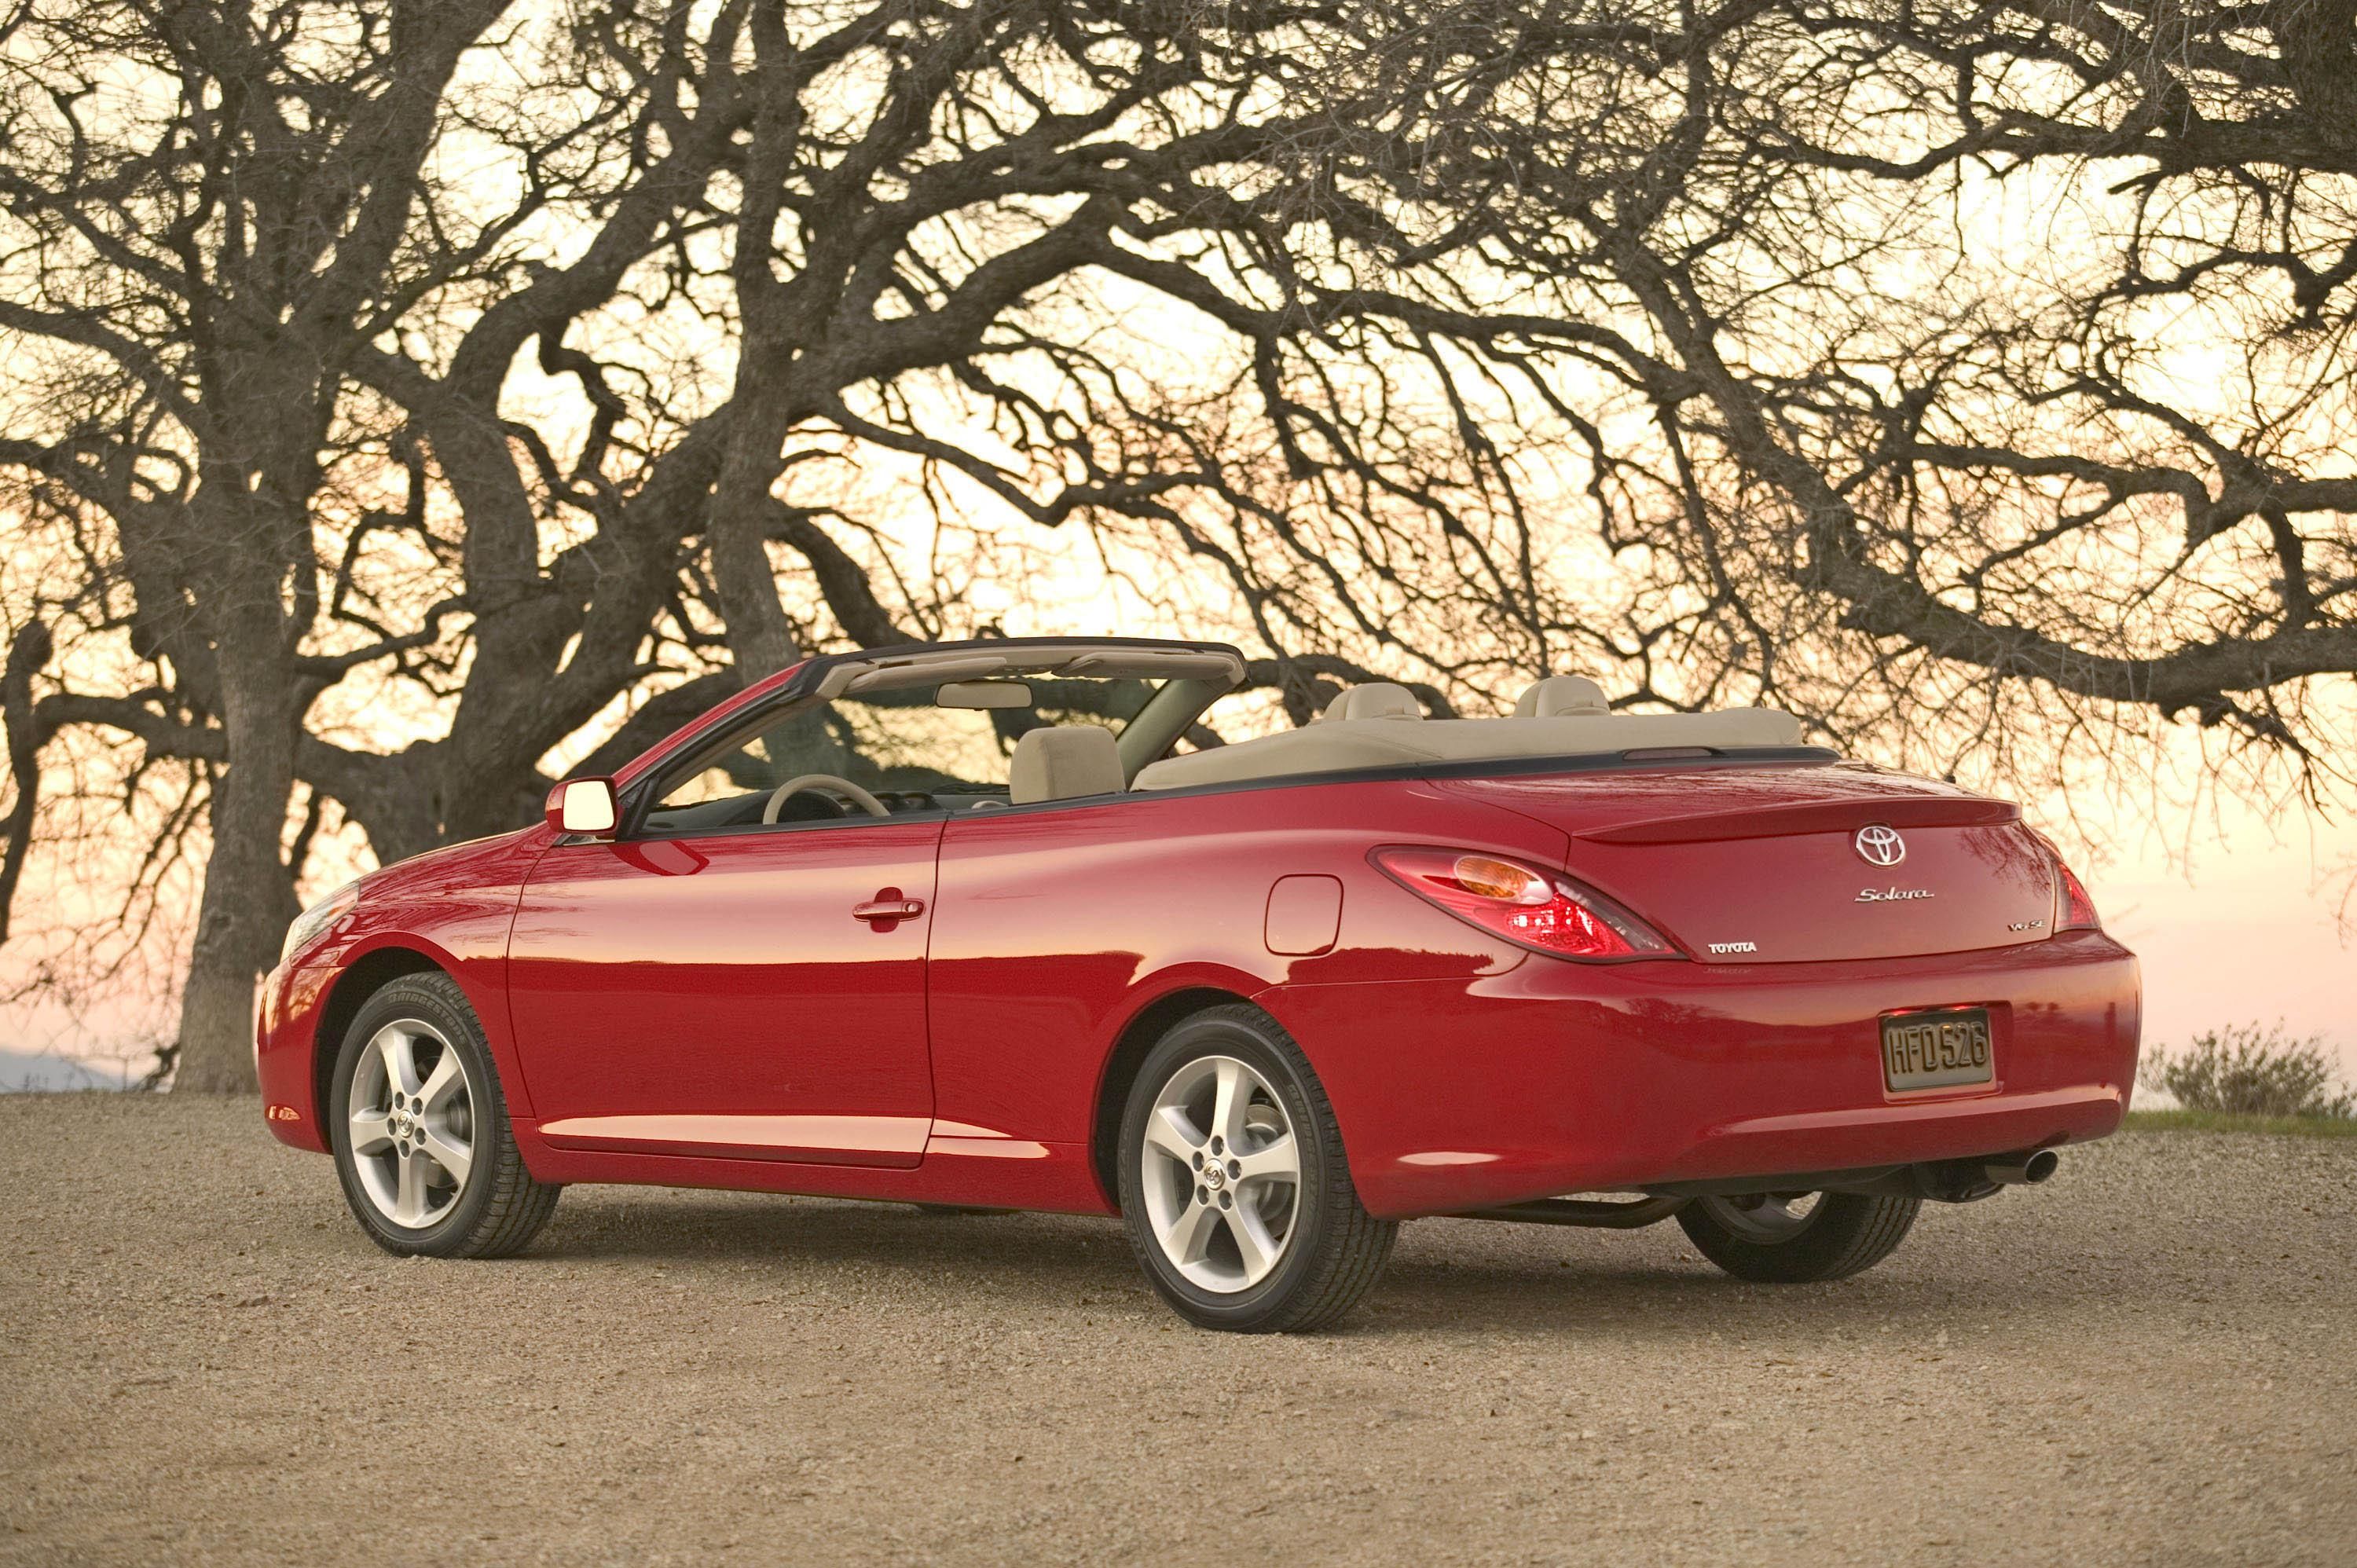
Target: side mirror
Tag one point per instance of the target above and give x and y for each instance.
(582, 806)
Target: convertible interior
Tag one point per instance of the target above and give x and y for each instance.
(1382, 726)
(968, 729)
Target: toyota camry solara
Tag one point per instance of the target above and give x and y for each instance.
(1003, 925)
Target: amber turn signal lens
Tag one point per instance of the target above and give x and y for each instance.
(1502, 879)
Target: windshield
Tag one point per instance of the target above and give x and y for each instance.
(906, 749)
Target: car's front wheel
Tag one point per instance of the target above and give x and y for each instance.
(1233, 1185)
(420, 1129)
(1797, 1238)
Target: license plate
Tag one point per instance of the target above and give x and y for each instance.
(1936, 1047)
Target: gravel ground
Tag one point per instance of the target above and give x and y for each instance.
(2148, 1360)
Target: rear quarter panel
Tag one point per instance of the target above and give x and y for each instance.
(1056, 928)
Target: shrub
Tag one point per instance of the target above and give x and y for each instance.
(2248, 1070)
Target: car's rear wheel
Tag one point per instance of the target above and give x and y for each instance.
(1797, 1238)
(1234, 1184)
(420, 1129)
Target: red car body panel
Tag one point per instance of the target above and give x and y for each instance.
(451, 908)
(1762, 844)
(707, 1009)
(1617, 1076)
(1056, 927)
(725, 977)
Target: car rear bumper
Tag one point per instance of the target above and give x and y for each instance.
(1556, 1078)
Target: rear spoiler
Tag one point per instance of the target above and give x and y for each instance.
(1814, 817)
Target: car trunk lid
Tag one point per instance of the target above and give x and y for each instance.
(1796, 863)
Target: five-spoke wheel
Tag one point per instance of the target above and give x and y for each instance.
(423, 1147)
(1220, 1174)
(1234, 1184)
(413, 1124)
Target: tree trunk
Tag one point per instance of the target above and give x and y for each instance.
(759, 638)
(248, 895)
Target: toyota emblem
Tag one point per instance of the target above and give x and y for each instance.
(1880, 845)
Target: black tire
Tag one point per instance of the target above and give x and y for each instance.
(1844, 1234)
(1335, 1251)
(499, 1206)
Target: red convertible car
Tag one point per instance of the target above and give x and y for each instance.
(1003, 924)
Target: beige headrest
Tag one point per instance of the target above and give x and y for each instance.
(1561, 696)
(1375, 700)
(1063, 765)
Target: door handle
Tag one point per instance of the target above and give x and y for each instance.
(887, 908)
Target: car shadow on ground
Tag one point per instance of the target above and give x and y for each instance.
(1447, 1276)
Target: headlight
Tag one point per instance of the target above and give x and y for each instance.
(311, 922)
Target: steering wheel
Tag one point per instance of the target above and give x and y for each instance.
(827, 782)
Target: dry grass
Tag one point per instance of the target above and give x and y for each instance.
(2229, 1121)
(2252, 1070)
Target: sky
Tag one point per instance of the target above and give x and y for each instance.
(2252, 935)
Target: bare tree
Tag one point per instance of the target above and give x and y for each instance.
(280, 338)
(196, 273)
(409, 396)
(1998, 356)
(276, 332)
(2131, 484)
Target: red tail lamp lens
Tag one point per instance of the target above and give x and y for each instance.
(1543, 911)
(2078, 912)
(2073, 911)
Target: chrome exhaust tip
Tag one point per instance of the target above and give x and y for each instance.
(2023, 1170)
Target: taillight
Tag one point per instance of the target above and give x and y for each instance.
(2075, 911)
(1544, 911)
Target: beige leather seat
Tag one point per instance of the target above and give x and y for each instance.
(1562, 696)
(1063, 764)
(1375, 700)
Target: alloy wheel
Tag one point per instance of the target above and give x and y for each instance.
(1765, 1217)
(1221, 1174)
(412, 1117)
